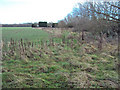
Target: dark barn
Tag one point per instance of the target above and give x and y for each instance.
(42, 24)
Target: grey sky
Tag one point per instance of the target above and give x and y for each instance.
(19, 11)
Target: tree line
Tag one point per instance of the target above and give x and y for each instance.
(17, 25)
(98, 18)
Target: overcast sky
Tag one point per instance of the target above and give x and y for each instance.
(20, 11)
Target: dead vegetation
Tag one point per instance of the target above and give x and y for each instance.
(67, 63)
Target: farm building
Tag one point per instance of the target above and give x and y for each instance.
(45, 24)
(35, 25)
(42, 24)
(54, 24)
(49, 24)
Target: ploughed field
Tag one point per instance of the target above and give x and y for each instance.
(38, 59)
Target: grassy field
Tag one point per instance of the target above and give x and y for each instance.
(60, 62)
(26, 33)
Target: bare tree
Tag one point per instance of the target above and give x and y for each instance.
(96, 17)
(62, 24)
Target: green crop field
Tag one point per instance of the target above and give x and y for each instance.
(26, 33)
(59, 62)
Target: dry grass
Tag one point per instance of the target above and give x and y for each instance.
(68, 63)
